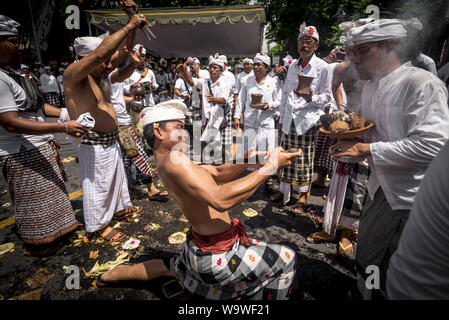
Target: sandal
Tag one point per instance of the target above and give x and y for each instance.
(342, 252)
(315, 238)
(127, 212)
(113, 236)
(301, 206)
(159, 197)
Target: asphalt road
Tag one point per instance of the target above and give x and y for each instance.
(321, 274)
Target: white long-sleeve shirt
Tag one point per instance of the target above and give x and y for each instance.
(48, 83)
(411, 124)
(149, 77)
(240, 79)
(162, 79)
(304, 114)
(271, 94)
(220, 89)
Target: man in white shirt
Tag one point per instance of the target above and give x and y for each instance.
(142, 76)
(61, 85)
(299, 114)
(238, 70)
(162, 79)
(49, 87)
(418, 269)
(409, 109)
(242, 76)
(216, 114)
(259, 130)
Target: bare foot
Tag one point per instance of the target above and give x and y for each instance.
(117, 273)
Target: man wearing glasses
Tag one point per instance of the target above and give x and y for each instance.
(29, 154)
(299, 114)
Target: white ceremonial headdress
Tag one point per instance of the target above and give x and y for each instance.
(61, 69)
(216, 60)
(239, 66)
(288, 60)
(196, 60)
(47, 68)
(137, 46)
(262, 57)
(377, 30)
(223, 58)
(84, 46)
(308, 31)
(347, 25)
(8, 26)
(24, 66)
(169, 110)
(248, 60)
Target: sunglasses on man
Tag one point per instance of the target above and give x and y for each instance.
(306, 41)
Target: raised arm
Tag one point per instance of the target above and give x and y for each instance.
(125, 72)
(79, 70)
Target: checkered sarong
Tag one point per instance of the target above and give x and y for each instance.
(226, 133)
(99, 138)
(356, 190)
(322, 160)
(260, 272)
(53, 99)
(42, 207)
(141, 161)
(300, 172)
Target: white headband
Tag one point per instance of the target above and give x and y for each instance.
(84, 46)
(169, 110)
(377, 30)
(261, 57)
(308, 31)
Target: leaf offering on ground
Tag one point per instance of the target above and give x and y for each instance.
(250, 212)
(117, 225)
(177, 238)
(7, 247)
(131, 244)
(93, 254)
(68, 159)
(41, 277)
(151, 227)
(100, 268)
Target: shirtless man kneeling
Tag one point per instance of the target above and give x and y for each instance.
(218, 261)
(86, 88)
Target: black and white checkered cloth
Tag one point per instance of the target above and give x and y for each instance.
(98, 138)
(259, 272)
(356, 190)
(53, 99)
(226, 133)
(300, 172)
(322, 159)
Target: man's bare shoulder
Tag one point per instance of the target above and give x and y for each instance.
(70, 72)
(177, 162)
